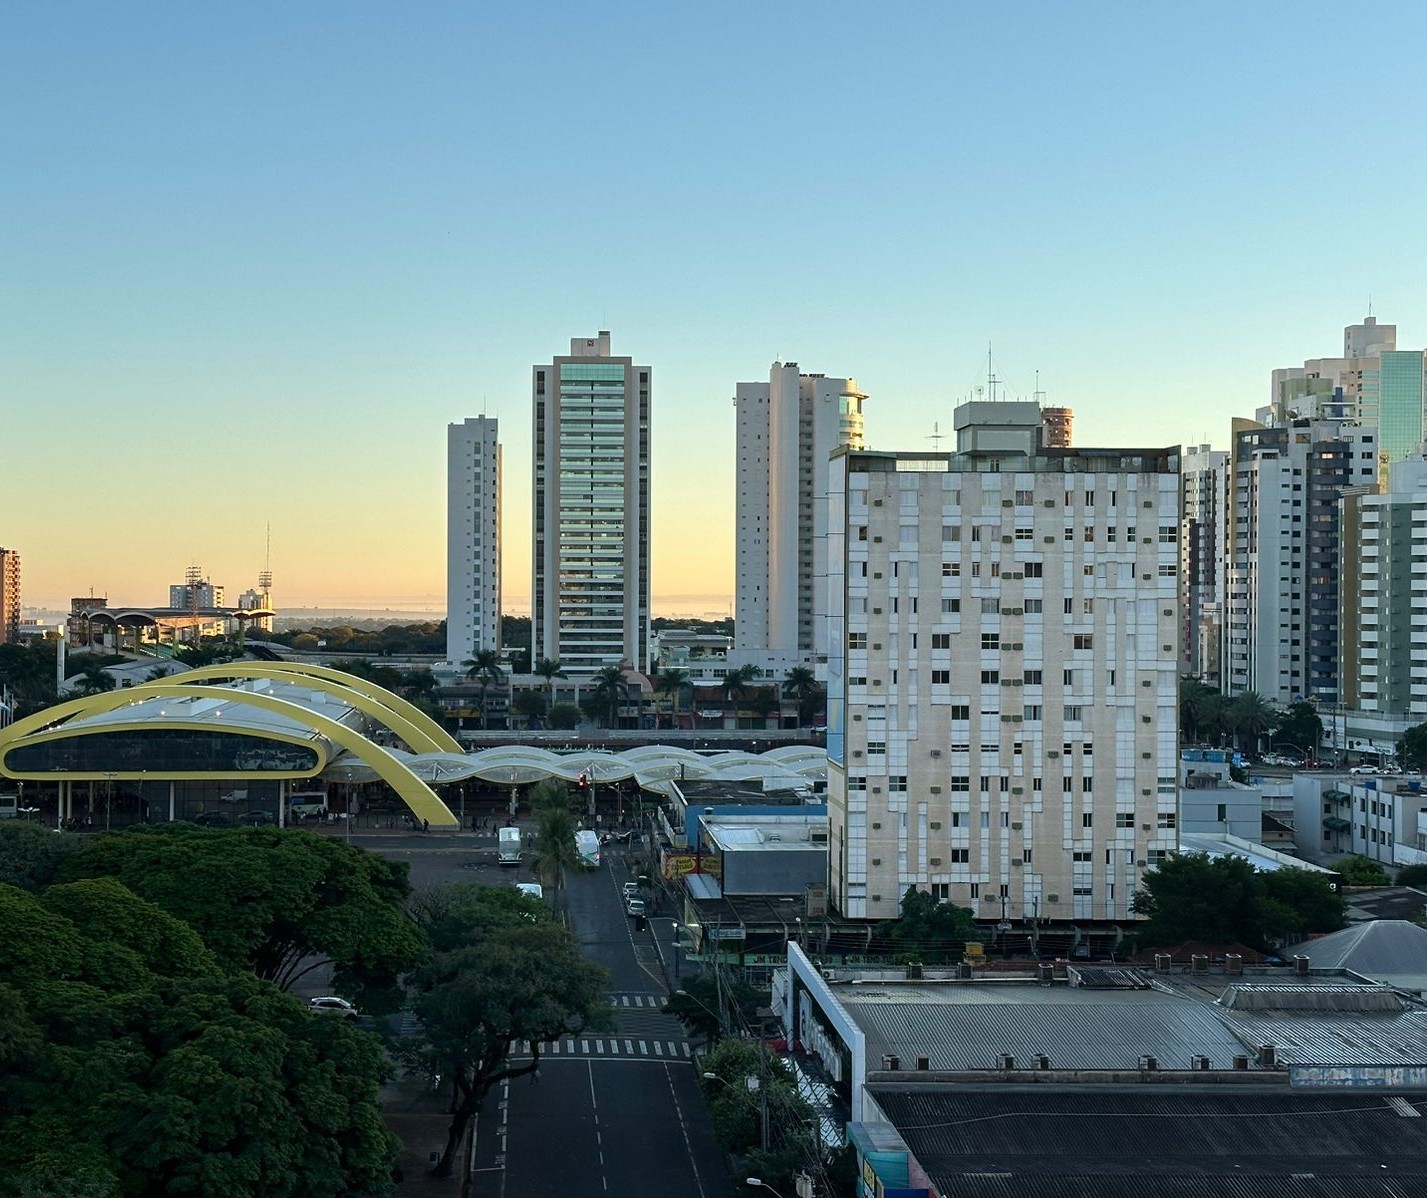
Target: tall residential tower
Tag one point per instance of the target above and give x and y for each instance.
(590, 594)
(786, 430)
(1002, 673)
(473, 549)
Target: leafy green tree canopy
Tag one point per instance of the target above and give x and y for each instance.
(130, 1064)
(272, 901)
(1225, 900)
(505, 971)
(1362, 871)
(31, 855)
(1412, 748)
(930, 930)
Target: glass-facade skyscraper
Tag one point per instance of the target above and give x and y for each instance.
(590, 590)
(1400, 402)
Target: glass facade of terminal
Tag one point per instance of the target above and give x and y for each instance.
(161, 750)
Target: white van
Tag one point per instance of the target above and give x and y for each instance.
(587, 844)
(508, 851)
(9, 806)
(304, 804)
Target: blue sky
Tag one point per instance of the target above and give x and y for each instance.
(253, 258)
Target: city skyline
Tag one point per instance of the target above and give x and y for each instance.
(263, 259)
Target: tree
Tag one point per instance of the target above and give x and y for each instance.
(706, 1002)
(275, 902)
(1191, 693)
(553, 852)
(670, 684)
(29, 671)
(931, 930)
(194, 1083)
(485, 668)
(1358, 870)
(1225, 900)
(93, 678)
(550, 669)
(563, 716)
(1248, 716)
(530, 704)
(747, 1079)
(1300, 728)
(503, 972)
(610, 693)
(736, 683)
(1412, 875)
(1210, 713)
(31, 855)
(1412, 748)
(801, 685)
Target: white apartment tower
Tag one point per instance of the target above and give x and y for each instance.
(590, 596)
(1282, 638)
(786, 430)
(473, 549)
(1002, 672)
(1202, 573)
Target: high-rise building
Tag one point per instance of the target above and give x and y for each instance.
(9, 596)
(786, 430)
(473, 546)
(590, 592)
(195, 592)
(1002, 672)
(1383, 609)
(1283, 560)
(1202, 575)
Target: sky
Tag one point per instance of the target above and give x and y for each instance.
(254, 258)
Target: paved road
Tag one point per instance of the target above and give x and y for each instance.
(613, 1112)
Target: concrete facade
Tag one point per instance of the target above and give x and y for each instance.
(1203, 581)
(473, 538)
(1002, 673)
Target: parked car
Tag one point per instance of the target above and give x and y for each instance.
(634, 907)
(258, 818)
(213, 819)
(631, 890)
(330, 1004)
(1363, 769)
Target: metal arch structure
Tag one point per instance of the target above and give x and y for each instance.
(424, 803)
(418, 729)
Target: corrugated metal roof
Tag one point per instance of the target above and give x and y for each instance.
(1354, 1039)
(1168, 1141)
(1075, 1032)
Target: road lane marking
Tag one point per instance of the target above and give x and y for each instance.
(678, 1110)
(629, 1047)
(658, 1049)
(644, 1052)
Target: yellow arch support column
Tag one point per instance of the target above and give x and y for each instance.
(413, 725)
(420, 798)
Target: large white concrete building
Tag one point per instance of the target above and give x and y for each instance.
(1002, 672)
(590, 593)
(473, 547)
(1202, 577)
(1283, 570)
(786, 430)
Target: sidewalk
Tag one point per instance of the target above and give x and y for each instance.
(417, 1116)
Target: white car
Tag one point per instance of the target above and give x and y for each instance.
(531, 889)
(631, 890)
(1363, 769)
(634, 906)
(330, 1004)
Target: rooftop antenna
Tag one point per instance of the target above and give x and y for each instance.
(935, 438)
(265, 577)
(1039, 394)
(991, 379)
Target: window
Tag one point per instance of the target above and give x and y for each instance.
(1034, 607)
(1067, 678)
(960, 784)
(951, 569)
(1024, 498)
(1032, 678)
(1025, 534)
(941, 891)
(1068, 605)
(950, 606)
(1032, 711)
(1167, 819)
(990, 607)
(991, 640)
(1026, 856)
(1168, 571)
(1083, 640)
(862, 532)
(1087, 820)
(941, 677)
(975, 532)
(1124, 819)
(876, 747)
(1035, 570)
(948, 532)
(960, 856)
(1071, 714)
(897, 783)
(985, 784)
(1081, 855)
(990, 677)
(1168, 534)
(961, 711)
(1089, 607)
(941, 640)
(1082, 891)
(857, 640)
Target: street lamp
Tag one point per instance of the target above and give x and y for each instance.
(755, 1182)
(755, 1086)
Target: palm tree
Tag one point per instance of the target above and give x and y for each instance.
(1247, 716)
(801, 685)
(1209, 710)
(735, 685)
(94, 679)
(485, 668)
(670, 684)
(554, 851)
(550, 669)
(611, 690)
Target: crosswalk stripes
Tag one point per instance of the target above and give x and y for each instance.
(613, 1048)
(648, 1001)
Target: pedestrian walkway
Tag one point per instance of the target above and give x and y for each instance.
(656, 1001)
(596, 1048)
